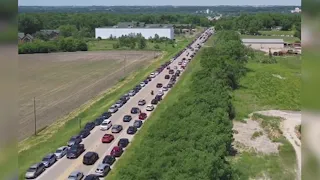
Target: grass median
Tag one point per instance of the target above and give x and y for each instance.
(34, 148)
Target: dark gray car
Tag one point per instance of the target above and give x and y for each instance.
(116, 128)
(74, 140)
(76, 175)
(49, 160)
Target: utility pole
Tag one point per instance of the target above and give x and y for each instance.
(124, 66)
(35, 115)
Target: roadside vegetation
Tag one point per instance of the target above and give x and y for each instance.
(34, 148)
(189, 135)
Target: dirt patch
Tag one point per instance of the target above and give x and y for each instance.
(62, 82)
(245, 142)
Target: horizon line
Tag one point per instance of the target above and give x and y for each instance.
(147, 5)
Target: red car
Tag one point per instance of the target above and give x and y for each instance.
(142, 116)
(116, 151)
(107, 138)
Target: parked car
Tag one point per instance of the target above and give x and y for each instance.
(35, 170)
(105, 125)
(132, 92)
(152, 75)
(160, 93)
(89, 126)
(116, 151)
(127, 118)
(150, 107)
(137, 88)
(159, 85)
(123, 142)
(84, 133)
(106, 115)
(119, 103)
(113, 108)
(108, 159)
(167, 76)
(165, 88)
(75, 151)
(137, 123)
(142, 116)
(125, 98)
(49, 160)
(135, 110)
(142, 102)
(131, 130)
(74, 140)
(107, 138)
(168, 67)
(98, 121)
(90, 158)
(142, 84)
(75, 175)
(92, 177)
(116, 129)
(61, 151)
(158, 98)
(103, 169)
(154, 101)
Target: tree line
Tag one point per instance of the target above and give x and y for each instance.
(193, 137)
(252, 23)
(87, 22)
(68, 44)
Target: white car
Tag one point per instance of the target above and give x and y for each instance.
(150, 108)
(142, 84)
(156, 73)
(160, 93)
(113, 109)
(152, 75)
(164, 88)
(105, 125)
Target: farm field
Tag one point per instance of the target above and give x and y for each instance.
(285, 38)
(61, 82)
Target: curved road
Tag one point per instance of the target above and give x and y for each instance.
(63, 167)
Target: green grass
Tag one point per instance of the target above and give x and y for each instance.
(285, 39)
(33, 149)
(181, 88)
(278, 33)
(260, 90)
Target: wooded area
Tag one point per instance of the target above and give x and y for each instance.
(192, 137)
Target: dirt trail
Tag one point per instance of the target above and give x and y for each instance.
(291, 120)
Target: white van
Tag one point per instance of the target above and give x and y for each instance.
(105, 125)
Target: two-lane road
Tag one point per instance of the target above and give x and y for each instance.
(63, 167)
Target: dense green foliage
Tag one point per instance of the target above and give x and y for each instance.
(251, 24)
(87, 22)
(62, 44)
(191, 138)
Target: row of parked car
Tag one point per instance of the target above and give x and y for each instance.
(74, 147)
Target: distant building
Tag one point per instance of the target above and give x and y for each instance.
(264, 43)
(208, 11)
(296, 10)
(50, 33)
(22, 38)
(134, 28)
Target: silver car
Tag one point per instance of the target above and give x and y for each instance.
(49, 160)
(102, 170)
(61, 151)
(75, 175)
(113, 109)
(116, 128)
(35, 170)
(132, 93)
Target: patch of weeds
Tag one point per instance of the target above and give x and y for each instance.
(270, 124)
(256, 134)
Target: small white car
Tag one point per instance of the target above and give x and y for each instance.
(152, 75)
(105, 125)
(156, 73)
(142, 84)
(150, 107)
(160, 93)
(113, 109)
(164, 88)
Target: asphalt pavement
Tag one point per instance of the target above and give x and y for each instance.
(63, 167)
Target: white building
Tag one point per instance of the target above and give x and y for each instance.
(296, 10)
(146, 30)
(208, 11)
(264, 43)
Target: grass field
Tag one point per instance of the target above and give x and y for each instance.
(285, 39)
(278, 33)
(34, 148)
(262, 89)
(265, 87)
(61, 82)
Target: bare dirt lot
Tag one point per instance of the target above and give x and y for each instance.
(61, 82)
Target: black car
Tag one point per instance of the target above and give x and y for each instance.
(108, 159)
(135, 110)
(74, 140)
(158, 98)
(92, 177)
(159, 85)
(138, 87)
(98, 121)
(131, 130)
(167, 76)
(146, 81)
(171, 71)
(90, 158)
(75, 151)
(169, 85)
(125, 98)
(137, 123)
(84, 133)
(106, 115)
(89, 126)
(123, 142)
(154, 101)
(127, 118)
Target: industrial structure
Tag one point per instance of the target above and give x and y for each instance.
(134, 28)
(264, 43)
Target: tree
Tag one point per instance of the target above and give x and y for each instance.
(29, 24)
(142, 43)
(156, 46)
(68, 30)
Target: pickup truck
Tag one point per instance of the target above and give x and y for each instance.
(75, 151)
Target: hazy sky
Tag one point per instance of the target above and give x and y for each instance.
(155, 2)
